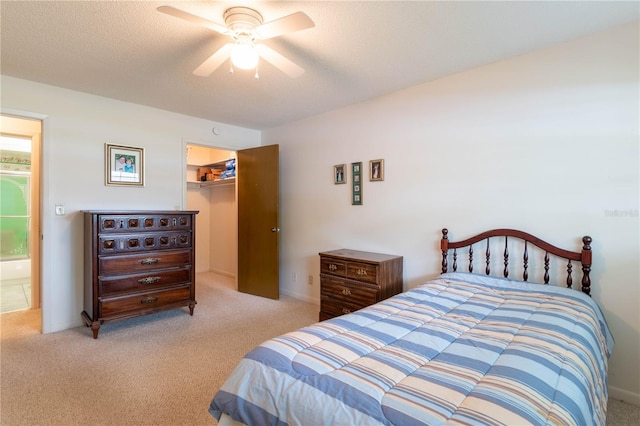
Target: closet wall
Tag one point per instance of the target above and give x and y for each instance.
(217, 222)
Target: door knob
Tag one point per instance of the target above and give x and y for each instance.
(274, 229)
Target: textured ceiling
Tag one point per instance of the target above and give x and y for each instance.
(127, 50)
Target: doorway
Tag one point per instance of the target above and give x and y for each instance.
(20, 141)
(215, 199)
(238, 219)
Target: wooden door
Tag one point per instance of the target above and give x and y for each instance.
(258, 251)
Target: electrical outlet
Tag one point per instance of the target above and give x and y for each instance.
(295, 277)
(310, 279)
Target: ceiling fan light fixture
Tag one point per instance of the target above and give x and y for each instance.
(245, 25)
(244, 54)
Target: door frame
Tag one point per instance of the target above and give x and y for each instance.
(26, 125)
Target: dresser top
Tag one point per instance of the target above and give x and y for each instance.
(359, 255)
(142, 212)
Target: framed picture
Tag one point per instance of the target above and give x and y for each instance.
(356, 184)
(124, 165)
(376, 170)
(339, 174)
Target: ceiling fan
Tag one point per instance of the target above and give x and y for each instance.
(245, 26)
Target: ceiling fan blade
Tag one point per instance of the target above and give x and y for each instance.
(214, 61)
(279, 61)
(287, 24)
(194, 19)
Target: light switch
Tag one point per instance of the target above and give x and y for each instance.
(59, 209)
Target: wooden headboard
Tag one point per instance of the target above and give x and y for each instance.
(584, 256)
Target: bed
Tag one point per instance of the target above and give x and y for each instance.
(462, 348)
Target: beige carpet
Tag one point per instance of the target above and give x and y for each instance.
(161, 369)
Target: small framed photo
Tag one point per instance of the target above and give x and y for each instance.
(124, 165)
(376, 170)
(339, 174)
(356, 184)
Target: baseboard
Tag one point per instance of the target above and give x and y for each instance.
(623, 395)
(224, 273)
(297, 296)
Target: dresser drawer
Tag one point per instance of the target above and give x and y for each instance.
(143, 301)
(143, 262)
(362, 272)
(333, 267)
(127, 243)
(353, 294)
(143, 282)
(110, 224)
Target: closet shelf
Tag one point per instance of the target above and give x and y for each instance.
(212, 183)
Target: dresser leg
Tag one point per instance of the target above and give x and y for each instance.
(95, 327)
(191, 307)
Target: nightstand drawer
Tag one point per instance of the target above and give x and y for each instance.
(354, 294)
(143, 262)
(111, 286)
(333, 267)
(333, 308)
(362, 272)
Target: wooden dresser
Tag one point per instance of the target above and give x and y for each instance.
(351, 280)
(137, 263)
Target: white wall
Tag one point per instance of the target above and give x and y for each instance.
(76, 127)
(546, 142)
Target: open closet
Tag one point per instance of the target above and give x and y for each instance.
(211, 189)
(237, 229)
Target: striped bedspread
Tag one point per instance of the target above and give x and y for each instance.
(460, 349)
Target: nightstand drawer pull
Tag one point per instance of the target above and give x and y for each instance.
(149, 261)
(361, 272)
(333, 267)
(150, 299)
(346, 311)
(149, 280)
(346, 291)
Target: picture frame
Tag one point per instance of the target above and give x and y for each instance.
(339, 174)
(356, 184)
(376, 170)
(124, 165)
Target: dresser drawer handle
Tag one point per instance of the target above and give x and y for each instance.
(333, 267)
(346, 311)
(150, 299)
(149, 280)
(346, 291)
(150, 261)
(361, 272)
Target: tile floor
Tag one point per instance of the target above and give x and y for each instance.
(15, 295)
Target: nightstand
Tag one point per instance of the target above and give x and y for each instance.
(352, 279)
